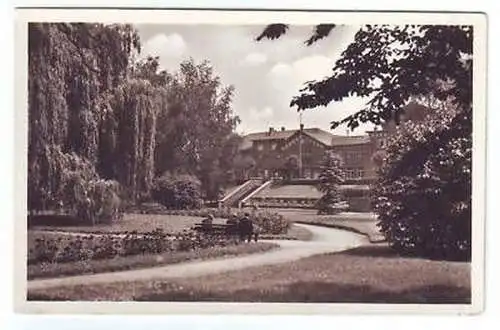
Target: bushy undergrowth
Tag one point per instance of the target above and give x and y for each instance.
(74, 187)
(177, 192)
(68, 248)
(423, 194)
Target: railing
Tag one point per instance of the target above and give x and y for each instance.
(239, 192)
(245, 200)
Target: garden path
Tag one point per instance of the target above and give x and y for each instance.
(324, 240)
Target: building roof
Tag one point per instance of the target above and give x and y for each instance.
(318, 134)
(274, 135)
(339, 140)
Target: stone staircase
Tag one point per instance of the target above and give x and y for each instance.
(234, 197)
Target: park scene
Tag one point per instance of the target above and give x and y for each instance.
(321, 164)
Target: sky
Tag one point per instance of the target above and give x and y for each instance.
(266, 74)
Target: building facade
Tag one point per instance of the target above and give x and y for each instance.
(299, 153)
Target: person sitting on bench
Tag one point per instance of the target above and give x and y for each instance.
(232, 220)
(246, 228)
(207, 222)
(232, 223)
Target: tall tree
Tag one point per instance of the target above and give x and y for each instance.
(71, 69)
(193, 134)
(133, 106)
(331, 176)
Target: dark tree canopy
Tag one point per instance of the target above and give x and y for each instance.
(196, 134)
(72, 70)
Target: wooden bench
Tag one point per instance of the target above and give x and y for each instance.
(216, 229)
(229, 230)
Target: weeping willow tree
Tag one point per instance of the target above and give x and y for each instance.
(84, 108)
(129, 137)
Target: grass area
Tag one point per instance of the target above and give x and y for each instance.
(143, 223)
(290, 191)
(136, 222)
(372, 274)
(45, 270)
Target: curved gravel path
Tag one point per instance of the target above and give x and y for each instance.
(324, 240)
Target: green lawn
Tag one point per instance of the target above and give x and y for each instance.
(370, 274)
(136, 222)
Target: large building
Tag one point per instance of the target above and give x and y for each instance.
(300, 151)
(279, 152)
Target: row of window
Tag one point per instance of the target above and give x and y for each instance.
(260, 146)
(354, 173)
(349, 156)
(351, 173)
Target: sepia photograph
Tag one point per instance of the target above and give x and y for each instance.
(242, 158)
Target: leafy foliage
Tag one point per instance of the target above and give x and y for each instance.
(331, 176)
(423, 193)
(177, 191)
(196, 132)
(72, 69)
(378, 158)
(72, 185)
(273, 31)
(128, 140)
(320, 31)
(243, 165)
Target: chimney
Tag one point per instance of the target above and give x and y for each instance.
(301, 127)
(282, 128)
(271, 130)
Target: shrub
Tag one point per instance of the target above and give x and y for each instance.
(423, 194)
(330, 178)
(271, 223)
(93, 201)
(179, 192)
(75, 188)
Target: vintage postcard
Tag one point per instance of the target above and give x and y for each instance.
(263, 162)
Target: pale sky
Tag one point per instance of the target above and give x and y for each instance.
(266, 74)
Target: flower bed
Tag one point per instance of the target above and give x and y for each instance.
(45, 270)
(44, 248)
